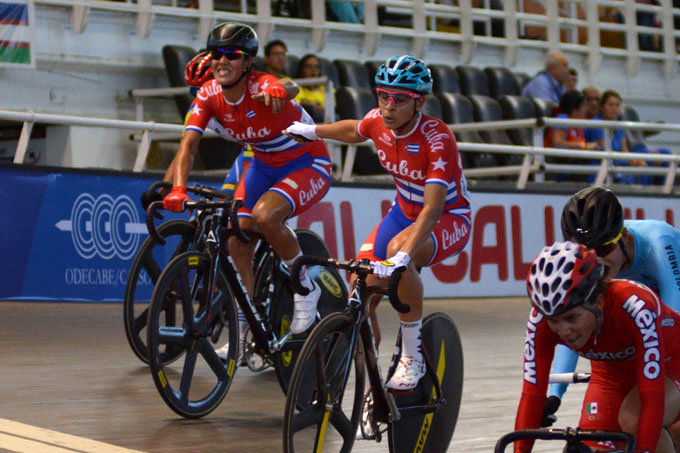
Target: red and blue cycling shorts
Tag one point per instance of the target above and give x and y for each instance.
(450, 235)
(303, 182)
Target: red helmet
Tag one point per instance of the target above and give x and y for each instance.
(198, 70)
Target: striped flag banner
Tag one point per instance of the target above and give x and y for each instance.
(16, 33)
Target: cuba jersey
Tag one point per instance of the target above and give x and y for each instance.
(428, 154)
(637, 345)
(657, 259)
(250, 121)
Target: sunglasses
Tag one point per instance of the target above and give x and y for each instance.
(231, 54)
(398, 98)
(608, 247)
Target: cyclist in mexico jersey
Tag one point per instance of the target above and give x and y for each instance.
(647, 251)
(284, 178)
(629, 335)
(430, 219)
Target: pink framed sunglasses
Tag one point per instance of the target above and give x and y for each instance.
(398, 98)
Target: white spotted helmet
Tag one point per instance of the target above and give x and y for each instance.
(563, 276)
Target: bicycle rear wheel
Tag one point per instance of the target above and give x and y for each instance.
(149, 262)
(432, 432)
(323, 405)
(333, 299)
(195, 386)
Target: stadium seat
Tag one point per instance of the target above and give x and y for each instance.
(432, 107)
(635, 137)
(457, 109)
(544, 107)
(355, 103)
(502, 82)
(472, 81)
(372, 67)
(259, 64)
(329, 69)
(487, 109)
(522, 79)
(445, 79)
(291, 65)
(175, 59)
(516, 108)
(352, 74)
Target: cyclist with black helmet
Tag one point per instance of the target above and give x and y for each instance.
(626, 332)
(430, 219)
(647, 251)
(284, 179)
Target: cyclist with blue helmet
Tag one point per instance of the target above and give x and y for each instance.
(430, 219)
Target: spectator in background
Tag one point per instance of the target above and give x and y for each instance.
(593, 97)
(572, 80)
(275, 58)
(349, 12)
(549, 83)
(311, 97)
(610, 110)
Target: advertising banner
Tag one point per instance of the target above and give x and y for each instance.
(73, 236)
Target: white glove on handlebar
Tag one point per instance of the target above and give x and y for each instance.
(384, 269)
(307, 131)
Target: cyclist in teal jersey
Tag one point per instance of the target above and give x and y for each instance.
(647, 251)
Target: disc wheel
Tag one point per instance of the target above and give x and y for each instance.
(194, 386)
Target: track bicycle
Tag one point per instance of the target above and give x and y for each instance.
(193, 309)
(326, 403)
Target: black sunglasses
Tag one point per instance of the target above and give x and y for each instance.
(231, 54)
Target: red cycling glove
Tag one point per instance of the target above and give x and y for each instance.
(174, 201)
(276, 90)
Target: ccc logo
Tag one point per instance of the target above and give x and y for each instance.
(104, 226)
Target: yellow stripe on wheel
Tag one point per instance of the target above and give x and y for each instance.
(427, 422)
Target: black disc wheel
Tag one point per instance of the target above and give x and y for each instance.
(333, 299)
(432, 433)
(147, 266)
(323, 405)
(195, 385)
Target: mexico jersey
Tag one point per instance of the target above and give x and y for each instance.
(426, 155)
(636, 345)
(250, 121)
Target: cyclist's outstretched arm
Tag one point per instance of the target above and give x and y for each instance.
(343, 131)
(180, 167)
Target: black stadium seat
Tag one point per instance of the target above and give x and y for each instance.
(291, 65)
(372, 67)
(352, 74)
(635, 137)
(329, 69)
(354, 103)
(544, 107)
(445, 79)
(502, 82)
(516, 108)
(472, 81)
(432, 107)
(260, 65)
(522, 79)
(488, 109)
(175, 59)
(457, 109)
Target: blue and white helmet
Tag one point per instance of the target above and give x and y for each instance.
(405, 72)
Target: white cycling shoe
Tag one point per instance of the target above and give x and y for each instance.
(223, 353)
(304, 312)
(407, 375)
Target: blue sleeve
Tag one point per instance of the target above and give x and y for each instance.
(593, 135)
(538, 88)
(565, 362)
(665, 255)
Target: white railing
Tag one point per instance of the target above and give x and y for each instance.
(533, 163)
(574, 28)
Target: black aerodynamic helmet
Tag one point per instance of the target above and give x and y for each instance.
(232, 35)
(592, 217)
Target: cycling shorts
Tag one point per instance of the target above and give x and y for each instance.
(237, 170)
(303, 181)
(450, 235)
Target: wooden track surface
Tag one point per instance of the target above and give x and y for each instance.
(69, 382)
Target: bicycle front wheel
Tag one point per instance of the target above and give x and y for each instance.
(323, 405)
(432, 432)
(179, 323)
(149, 262)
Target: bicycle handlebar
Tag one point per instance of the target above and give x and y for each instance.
(569, 434)
(197, 189)
(569, 378)
(353, 266)
(232, 205)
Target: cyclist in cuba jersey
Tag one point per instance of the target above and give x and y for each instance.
(284, 179)
(647, 251)
(626, 332)
(430, 219)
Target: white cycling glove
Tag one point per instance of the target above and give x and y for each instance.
(384, 269)
(307, 131)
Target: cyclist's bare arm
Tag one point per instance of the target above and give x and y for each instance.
(343, 131)
(433, 204)
(292, 88)
(179, 169)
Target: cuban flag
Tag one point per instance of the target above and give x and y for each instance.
(412, 148)
(250, 114)
(16, 33)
